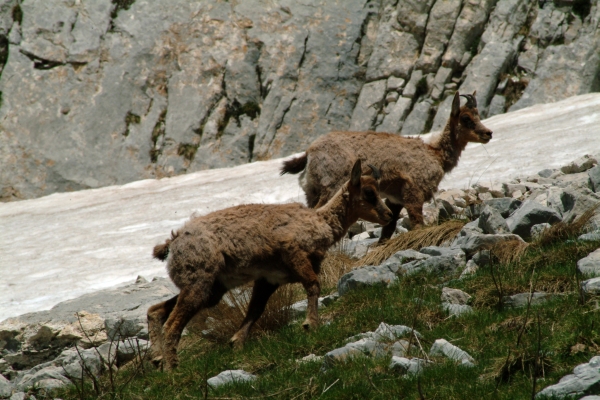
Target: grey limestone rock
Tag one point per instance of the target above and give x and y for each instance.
(505, 205)
(473, 243)
(580, 165)
(470, 269)
(402, 257)
(491, 222)
(521, 299)
(6, 387)
(590, 265)
(394, 121)
(369, 103)
(364, 277)
(456, 309)
(594, 174)
(229, 377)
(413, 366)
(590, 236)
(529, 214)
(584, 380)
(538, 229)
(417, 119)
(442, 347)
(591, 286)
(455, 296)
(434, 264)
(497, 105)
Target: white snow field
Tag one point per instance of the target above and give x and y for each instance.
(61, 246)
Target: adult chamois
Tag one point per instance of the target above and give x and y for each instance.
(411, 169)
(270, 244)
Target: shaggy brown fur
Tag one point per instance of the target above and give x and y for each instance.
(269, 244)
(411, 169)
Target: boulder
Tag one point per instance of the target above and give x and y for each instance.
(529, 214)
(470, 269)
(229, 377)
(538, 229)
(584, 380)
(491, 222)
(394, 120)
(434, 264)
(402, 257)
(590, 236)
(417, 119)
(590, 265)
(594, 174)
(6, 387)
(580, 165)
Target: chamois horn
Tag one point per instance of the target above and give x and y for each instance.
(376, 172)
(471, 100)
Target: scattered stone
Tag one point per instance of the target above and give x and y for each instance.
(590, 236)
(402, 257)
(358, 248)
(585, 379)
(442, 347)
(590, 265)
(455, 252)
(510, 188)
(230, 376)
(591, 286)
(400, 348)
(580, 165)
(310, 358)
(521, 299)
(455, 296)
(529, 214)
(538, 229)
(456, 309)
(473, 243)
(470, 269)
(366, 276)
(434, 264)
(330, 299)
(394, 332)
(414, 366)
(482, 258)
(300, 307)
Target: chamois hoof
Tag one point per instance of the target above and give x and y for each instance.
(236, 343)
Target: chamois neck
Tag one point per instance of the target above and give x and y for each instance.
(336, 215)
(447, 147)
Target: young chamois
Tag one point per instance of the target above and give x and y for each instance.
(266, 243)
(411, 169)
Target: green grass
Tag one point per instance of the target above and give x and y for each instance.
(512, 347)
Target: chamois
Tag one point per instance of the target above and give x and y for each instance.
(411, 169)
(270, 244)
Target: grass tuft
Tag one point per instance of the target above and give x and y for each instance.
(416, 239)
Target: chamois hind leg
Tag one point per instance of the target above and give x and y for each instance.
(388, 230)
(261, 293)
(157, 316)
(191, 300)
(415, 214)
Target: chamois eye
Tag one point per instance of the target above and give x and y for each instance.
(467, 121)
(370, 195)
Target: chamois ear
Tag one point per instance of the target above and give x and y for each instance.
(356, 173)
(456, 105)
(375, 172)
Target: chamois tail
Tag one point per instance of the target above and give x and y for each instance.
(161, 251)
(294, 166)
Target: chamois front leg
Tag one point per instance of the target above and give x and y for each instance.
(308, 278)
(388, 230)
(157, 316)
(261, 293)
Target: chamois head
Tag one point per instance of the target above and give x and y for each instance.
(364, 199)
(466, 123)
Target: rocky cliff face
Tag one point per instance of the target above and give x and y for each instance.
(105, 92)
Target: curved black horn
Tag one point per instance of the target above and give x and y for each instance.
(376, 172)
(471, 100)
